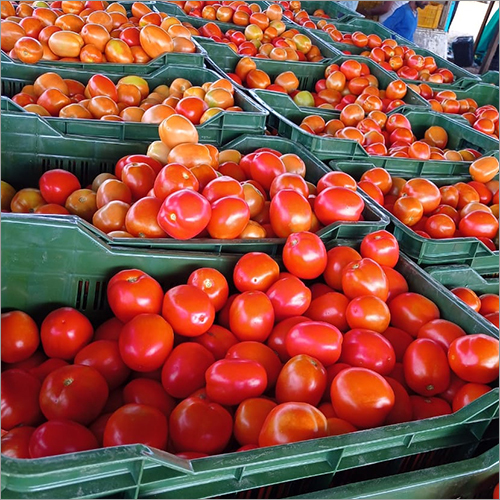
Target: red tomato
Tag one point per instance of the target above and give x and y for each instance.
(303, 378)
(188, 310)
(397, 282)
(20, 393)
(137, 158)
(64, 332)
(15, 443)
(428, 407)
(199, 425)
(109, 330)
(132, 292)
(362, 397)
(402, 410)
(330, 308)
(442, 331)
(318, 339)
(425, 367)
(335, 204)
(276, 340)
(73, 392)
(184, 370)
(304, 255)
(139, 177)
(474, 358)
(425, 191)
(148, 392)
(42, 370)
(399, 339)
(20, 336)
(249, 418)
(217, 340)
(364, 277)
(382, 247)
(57, 437)
(251, 316)
(368, 312)
(104, 356)
(289, 296)
(261, 353)
(231, 381)
(289, 212)
(337, 259)
(255, 271)
(291, 422)
(57, 184)
(213, 283)
(229, 216)
(145, 342)
(409, 311)
(222, 187)
(174, 177)
(265, 166)
(136, 423)
(479, 224)
(468, 393)
(455, 384)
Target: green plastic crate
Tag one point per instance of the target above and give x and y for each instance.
(334, 10)
(461, 275)
(221, 128)
(491, 77)
(285, 117)
(426, 251)
(472, 478)
(37, 148)
(177, 59)
(79, 279)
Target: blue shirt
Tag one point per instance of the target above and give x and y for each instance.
(403, 21)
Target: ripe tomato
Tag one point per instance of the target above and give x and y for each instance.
(289, 296)
(136, 423)
(221, 187)
(26, 200)
(20, 336)
(290, 422)
(304, 255)
(48, 366)
(213, 283)
(184, 370)
(145, 342)
(364, 277)
(303, 378)
(276, 340)
(396, 90)
(217, 340)
(229, 216)
(251, 316)
(474, 358)
(428, 407)
(368, 311)
(409, 311)
(402, 410)
(330, 308)
(20, 394)
(64, 332)
(255, 271)
(425, 191)
(148, 392)
(15, 443)
(362, 397)
(174, 177)
(131, 292)
(198, 425)
(289, 213)
(382, 247)
(184, 214)
(189, 310)
(468, 393)
(425, 366)
(479, 224)
(337, 259)
(338, 204)
(104, 356)
(468, 296)
(57, 184)
(442, 331)
(318, 339)
(57, 437)
(249, 418)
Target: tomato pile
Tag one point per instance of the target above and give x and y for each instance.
(271, 360)
(464, 209)
(486, 304)
(90, 32)
(130, 99)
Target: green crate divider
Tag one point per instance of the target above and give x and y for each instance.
(178, 59)
(461, 275)
(79, 278)
(39, 148)
(285, 116)
(221, 128)
(472, 478)
(491, 77)
(427, 251)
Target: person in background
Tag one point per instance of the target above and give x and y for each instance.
(404, 19)
(384, 9)
(351, 5)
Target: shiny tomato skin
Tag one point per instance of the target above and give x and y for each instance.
(318, 339)
(289, 296)
(409, 311)
(148, 392)
(57, 184)
(399, 339)
(248, 419)
(368, 349)
(290, 422)
(337, 259)
(335, 204)
(64, 332)
(74, 392)
(198, 425)
(364, 277)
(231, 381)
(20, 336)
(15, 443)
(428, 407)
(136, 423)
(251, 316)
(474, 358)
(255, 271)
(442, 331)
(302, 378)
(426, 368)
(20, 395)
(289, 212)
(402, 410)
(362, 397)
(57, 437)
(137, 158)
(229, 216)
(468, 393)
(368, 312)
(276, 340)
(330, 308)
(188, 310)
(304, 255)
(382, 247)
(217, 340)
(213, 283)
(184, 370)
(479, 224)
(131, 292)
(145, 342)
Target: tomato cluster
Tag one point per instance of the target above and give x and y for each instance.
(209, 365)
(294, 10)
(90, 32)
(129, 100)
(486, 305)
